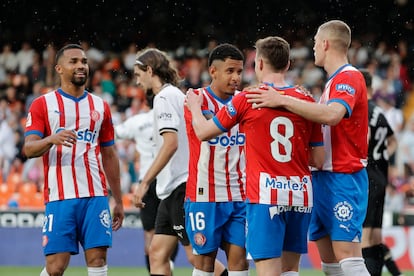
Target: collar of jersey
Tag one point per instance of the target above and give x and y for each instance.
(210, 91)
(66, 95)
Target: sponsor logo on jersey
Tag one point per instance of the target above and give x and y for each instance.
(346, 88)
(86, 135)
(165, 116)
(276, 210)
(29, 119)
(225, 141)
(294, 183)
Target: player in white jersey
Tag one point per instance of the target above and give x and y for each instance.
(139, 128)
(215, 192)
(72, 129)
(155, 73)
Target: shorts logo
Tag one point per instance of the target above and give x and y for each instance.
(343, 211)
(105, 218)
(45, 240)
(200, 239)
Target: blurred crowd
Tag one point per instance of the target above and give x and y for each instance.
(26, 73)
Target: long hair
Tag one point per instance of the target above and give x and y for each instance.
(160, 63)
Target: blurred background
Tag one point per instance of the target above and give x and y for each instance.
(111, 33)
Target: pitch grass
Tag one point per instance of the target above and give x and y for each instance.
(133, 271)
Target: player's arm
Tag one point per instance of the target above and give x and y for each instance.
(267, 96)
(204, 128)
(167, 150)
(110, 162)
(392, 145)
(35, 146)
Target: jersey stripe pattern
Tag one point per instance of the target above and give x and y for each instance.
(72, 172)
(277, 150)
(216, 167)
(345, 144)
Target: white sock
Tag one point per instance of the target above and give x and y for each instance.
(290, 273)
(354, 266)
(333, 269)
(44, 272)
(197, 272)
(238, 273)
(98, 271)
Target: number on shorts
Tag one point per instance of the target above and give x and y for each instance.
(197, 221)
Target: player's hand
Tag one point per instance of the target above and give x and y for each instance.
(303, 90)
(117, 216)
(264, 96)
(139, 194)
(64, 137)
(193, 99)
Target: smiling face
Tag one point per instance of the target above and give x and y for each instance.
(226, 76)
(73, 67)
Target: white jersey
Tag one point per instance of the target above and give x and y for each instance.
(169, 117)
(140, 129)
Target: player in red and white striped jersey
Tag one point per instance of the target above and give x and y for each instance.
(279, 148)
(215, 192)
(72, 129)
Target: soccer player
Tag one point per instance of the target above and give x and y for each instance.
(155, 73)
(381, 144)
(140, 129)
(215, 193)
(341, 186)
(280, 146)
(72, 129)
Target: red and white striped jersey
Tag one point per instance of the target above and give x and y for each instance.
(72, 172)
(346, 146)
(277, 150)
(216, 167)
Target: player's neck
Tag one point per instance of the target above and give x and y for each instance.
(157, 86)
(73, 90)
(334, 62)
(277, 79)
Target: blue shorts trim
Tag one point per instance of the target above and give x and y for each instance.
(340, 204)
(84, 221)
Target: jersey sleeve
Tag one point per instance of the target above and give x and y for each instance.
(107, 133)
(167, 116)
(231, 114)
(125, 129)
(344, 88)
(36, 118)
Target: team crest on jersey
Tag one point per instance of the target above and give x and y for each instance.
(343, 211)
(95, 116)
(105, 218)
(200, 239)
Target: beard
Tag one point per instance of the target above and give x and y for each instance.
(79, 81)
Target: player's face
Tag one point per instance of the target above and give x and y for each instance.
(143, 78)
(73, 67)
(226, 76)
(318, 49)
